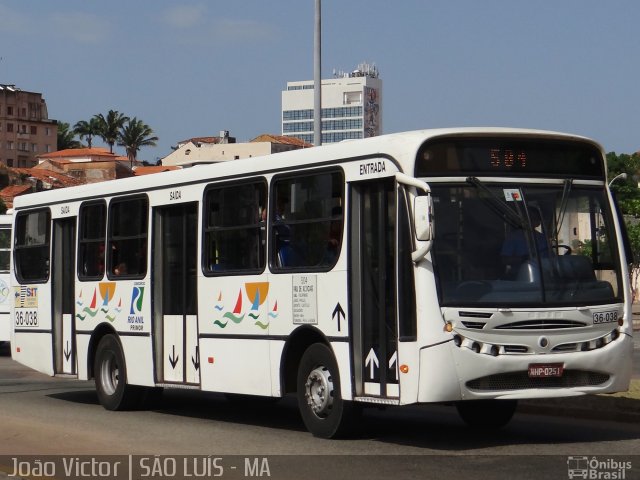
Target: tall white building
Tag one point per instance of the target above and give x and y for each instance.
(351, 107)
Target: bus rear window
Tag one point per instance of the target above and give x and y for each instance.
(32, 241)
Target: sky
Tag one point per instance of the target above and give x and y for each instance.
(194, 68)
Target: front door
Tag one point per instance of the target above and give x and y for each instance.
(373, 288)
(63, 276)
(175, 294)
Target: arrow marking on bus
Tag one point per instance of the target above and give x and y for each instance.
(338, 312)
(196, 361)
(173, 359)
(67, 352)
(394, 361)
(372, 360)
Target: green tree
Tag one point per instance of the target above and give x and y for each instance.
(633, 230)
(66, 137)
(626, 191)
(110, 126)
(135, 135)
(87, 130)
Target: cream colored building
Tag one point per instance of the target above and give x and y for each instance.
(25, 129)
(215, 149)
(351, 106)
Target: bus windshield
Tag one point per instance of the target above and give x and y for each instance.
(527, 245)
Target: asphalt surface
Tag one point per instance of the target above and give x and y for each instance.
(596, 407)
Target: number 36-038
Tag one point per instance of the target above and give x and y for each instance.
(26, 318)
(605, 317)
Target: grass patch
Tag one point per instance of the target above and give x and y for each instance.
(633, 392)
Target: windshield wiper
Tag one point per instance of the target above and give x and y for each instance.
(498, 204)
(568, 183)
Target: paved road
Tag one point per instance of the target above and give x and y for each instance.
(43, 415)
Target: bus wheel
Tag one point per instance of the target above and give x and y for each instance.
(490, 414)
(323, 411)
(111, 377)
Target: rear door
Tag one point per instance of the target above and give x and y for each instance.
(175, 294)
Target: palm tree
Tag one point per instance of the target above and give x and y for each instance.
(66, 138)
(109, 127)
(135, 135)
(88, 129)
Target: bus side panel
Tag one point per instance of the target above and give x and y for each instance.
(233, 323)
(34, 350)
(317, 300)
(342, 354)
(5, 277)
(5, 329)
(82, 351)
(31, 326)
(138, 354)
(235, 366)
(5, 316)
(276, 350)
(438, 376)
(123, 305)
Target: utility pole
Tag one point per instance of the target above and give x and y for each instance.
(317, 80)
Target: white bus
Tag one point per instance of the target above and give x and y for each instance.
(5, 281)
(473, 266)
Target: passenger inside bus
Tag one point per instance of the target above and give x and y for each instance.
(516, 249)
(120, 269)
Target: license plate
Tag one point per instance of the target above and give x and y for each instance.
(545, 370)
(605, 317)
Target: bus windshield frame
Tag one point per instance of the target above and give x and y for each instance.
(508, 244)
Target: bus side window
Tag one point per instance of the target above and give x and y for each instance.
(307, 223)
(234, 239)
(91, 241)
(5, 248)
(32, 246)
(128, 234)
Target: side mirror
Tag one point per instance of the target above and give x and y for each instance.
(422, 209)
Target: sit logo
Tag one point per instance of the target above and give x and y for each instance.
(596, 469)
(135, 318)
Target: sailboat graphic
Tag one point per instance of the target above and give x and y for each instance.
(80, 302)
(91, 310)
(274, 313)
(117, 310)
(257, 292)
(219, 306)
(235, 316)
(255, 307)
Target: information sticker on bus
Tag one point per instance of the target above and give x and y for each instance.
(545, 370)
(605, 317)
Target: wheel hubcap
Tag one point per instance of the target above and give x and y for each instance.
(319, 392)
(110, 375)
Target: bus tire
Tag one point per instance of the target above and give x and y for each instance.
(488, 414)
(324, 412)
(110, 373)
